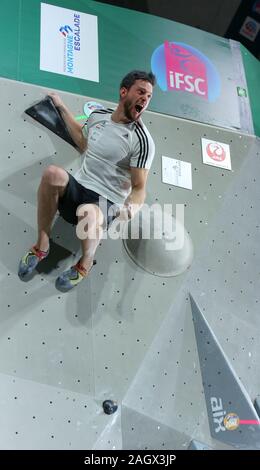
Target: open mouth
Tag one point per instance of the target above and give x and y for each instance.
(138, 108)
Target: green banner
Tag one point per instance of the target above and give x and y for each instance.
(194, 69)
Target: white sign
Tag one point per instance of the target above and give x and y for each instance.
(216, 153)
(176, 172)
(69, 43)
(250, 28)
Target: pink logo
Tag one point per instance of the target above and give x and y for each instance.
(185, 71)
(216, 152)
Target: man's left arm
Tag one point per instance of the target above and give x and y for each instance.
(136, 198)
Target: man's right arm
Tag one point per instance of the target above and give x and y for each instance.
(74, 128)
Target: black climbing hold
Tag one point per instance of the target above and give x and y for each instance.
(109, 407)
(49, 116)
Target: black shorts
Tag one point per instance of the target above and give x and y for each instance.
(75, 195)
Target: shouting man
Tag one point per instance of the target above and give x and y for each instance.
(118, 152)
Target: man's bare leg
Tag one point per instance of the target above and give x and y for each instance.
(53, 184)
(93, 233)
(90, 231)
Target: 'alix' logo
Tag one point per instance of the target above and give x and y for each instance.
(180, 67)
(65, 30)
(218, 413)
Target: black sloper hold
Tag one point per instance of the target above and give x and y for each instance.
(49, 116)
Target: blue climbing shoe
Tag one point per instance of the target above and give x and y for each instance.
(30, 260)
(73, 276)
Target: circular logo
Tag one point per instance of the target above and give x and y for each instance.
(231, 421)
(250, 27)
(216, 152)
(180, 67)
(91, 106)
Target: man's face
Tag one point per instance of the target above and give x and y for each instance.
(136, 99)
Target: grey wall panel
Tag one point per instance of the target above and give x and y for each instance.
(227, 400)
(143, 432)
(167, 387)
(93, 340)
(36, 416)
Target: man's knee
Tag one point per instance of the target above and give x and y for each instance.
(55, 176)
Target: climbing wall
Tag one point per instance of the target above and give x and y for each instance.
(124, 334)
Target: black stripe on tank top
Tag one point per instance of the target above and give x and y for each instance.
(144, 146)
(102, 111)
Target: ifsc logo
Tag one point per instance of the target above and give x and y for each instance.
(180, 67)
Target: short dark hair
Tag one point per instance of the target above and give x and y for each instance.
(131, 77)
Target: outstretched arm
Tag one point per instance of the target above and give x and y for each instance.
(74, 128)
